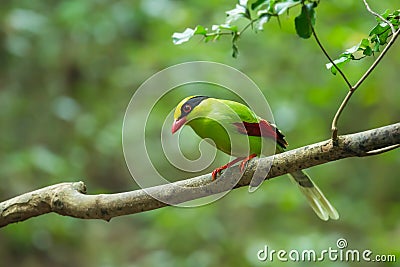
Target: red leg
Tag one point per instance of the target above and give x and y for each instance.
(242, 165)
(220, 169)
(244, 162)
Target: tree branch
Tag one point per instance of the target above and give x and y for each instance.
(353, 88)
(360, 81)
(379, 16)
(70, 199)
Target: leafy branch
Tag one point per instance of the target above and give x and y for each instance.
(384, 34)
(387, 25)
(257, 14)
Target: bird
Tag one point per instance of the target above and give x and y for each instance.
(236, 130)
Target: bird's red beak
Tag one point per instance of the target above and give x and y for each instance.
(178, 124)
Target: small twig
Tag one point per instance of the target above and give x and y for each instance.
(239, 33)
(379, 16)
(212, 34)
(362, 79)
(338, 113)
(368, 72)
(247, 26)
(329, 58)
(381, 150)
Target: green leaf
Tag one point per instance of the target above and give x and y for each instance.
(182, 37)
(259, 24)
(235, 48)
(259, 3)
(200, 30)
(282, 7)
(220, 27)
(364, 43)
(240, 11)
(304, 21)
(340, 61)
(352, 50)
(379, 29)
(383, 37)
(365, 47)
(376, 47)
(385, 15)
(368, 51)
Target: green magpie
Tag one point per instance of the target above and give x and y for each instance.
(236, 130)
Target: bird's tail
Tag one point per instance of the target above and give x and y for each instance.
(315, 197)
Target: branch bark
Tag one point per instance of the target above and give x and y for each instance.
(70, 199)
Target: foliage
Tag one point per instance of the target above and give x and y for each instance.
(260, 12)
(378, 37)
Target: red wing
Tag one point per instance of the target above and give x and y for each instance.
(262, 128)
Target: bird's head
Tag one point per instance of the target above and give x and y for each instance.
(187, 109)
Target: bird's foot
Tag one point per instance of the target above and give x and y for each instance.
(242, 165)
(217, 171)
(244, 162)
(220, 169)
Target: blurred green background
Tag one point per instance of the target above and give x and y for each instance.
(67, 72)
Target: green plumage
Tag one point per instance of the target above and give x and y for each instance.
(236, 130)
(214, 120)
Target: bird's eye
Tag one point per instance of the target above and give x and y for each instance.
(187, 108)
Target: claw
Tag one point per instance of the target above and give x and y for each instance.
(220, 169)
(216, 172)
(242, 165)
(244, 162)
